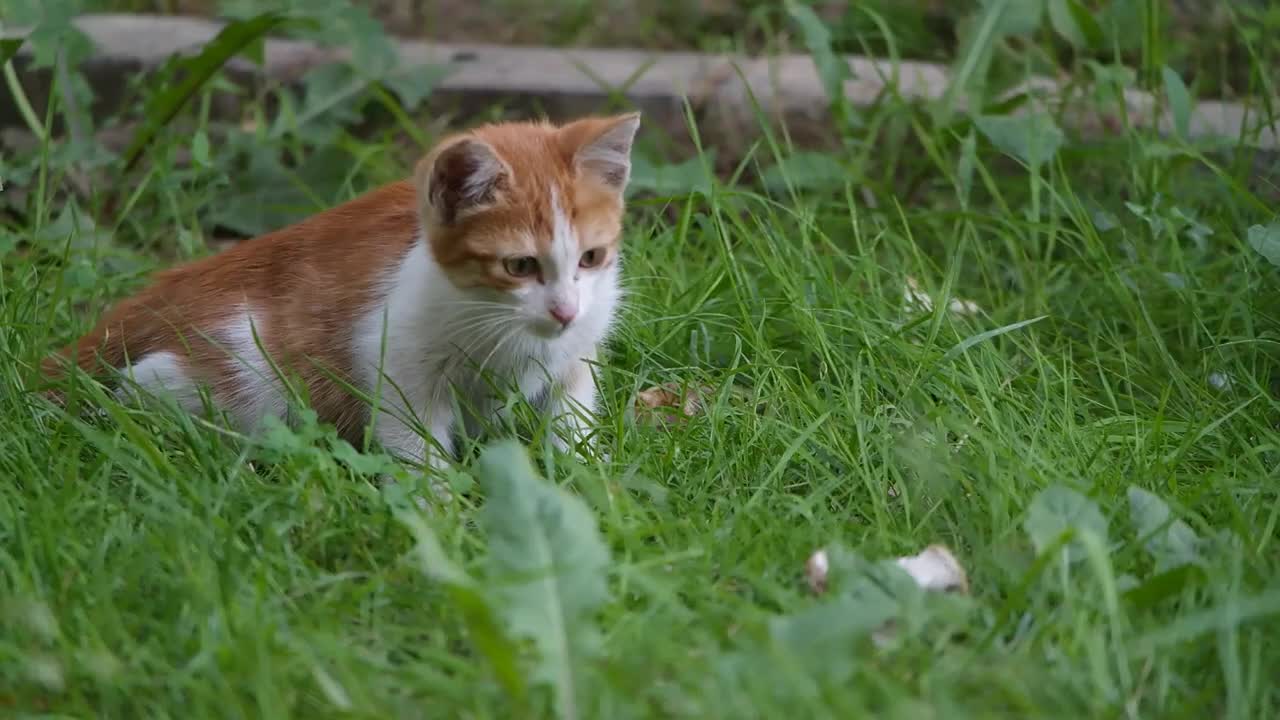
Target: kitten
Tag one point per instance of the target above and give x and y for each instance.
(501, 255)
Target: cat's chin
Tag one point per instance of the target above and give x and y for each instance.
(547, 331)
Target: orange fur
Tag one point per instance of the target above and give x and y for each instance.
(541, 155)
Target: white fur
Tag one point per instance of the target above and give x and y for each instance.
(610, 154)
(163, 374)
(259, 390)
(440, 338)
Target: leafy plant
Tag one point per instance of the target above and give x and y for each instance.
(195, 72)
(546, 578)
(547, 568)
(1058, 510)
(1266, 240)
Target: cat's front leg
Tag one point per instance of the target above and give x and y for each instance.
(573, 408)
(401, 440)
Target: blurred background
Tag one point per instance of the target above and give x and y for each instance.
(293, 140)
(1208, 41)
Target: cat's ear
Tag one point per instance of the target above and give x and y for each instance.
(462, 176)
(601, 147)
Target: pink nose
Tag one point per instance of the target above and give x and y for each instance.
(564, 314)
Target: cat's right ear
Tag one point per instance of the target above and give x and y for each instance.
(461, 177)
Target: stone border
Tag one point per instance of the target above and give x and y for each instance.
(722, 90)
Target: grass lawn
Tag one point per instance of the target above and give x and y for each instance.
(1093, 434)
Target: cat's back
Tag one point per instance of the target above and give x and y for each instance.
(348, 244)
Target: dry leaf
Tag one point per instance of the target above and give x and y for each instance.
(936, 568)
(662, 401)
(917, 300)
(963, 307)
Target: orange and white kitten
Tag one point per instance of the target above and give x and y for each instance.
(501, 255)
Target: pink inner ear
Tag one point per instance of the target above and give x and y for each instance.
(602, 147)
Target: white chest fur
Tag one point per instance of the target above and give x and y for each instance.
(427, 340)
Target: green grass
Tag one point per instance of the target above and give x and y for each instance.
(152, 564)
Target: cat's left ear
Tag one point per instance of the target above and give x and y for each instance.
(462, 176)
(601, 147)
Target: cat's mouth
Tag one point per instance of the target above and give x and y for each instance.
(547, 328)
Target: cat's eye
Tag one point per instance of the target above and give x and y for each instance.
(591, 258)
(520, 266)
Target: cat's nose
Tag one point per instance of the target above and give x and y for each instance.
(564, 314)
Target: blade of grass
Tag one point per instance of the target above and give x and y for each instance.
(198, 70)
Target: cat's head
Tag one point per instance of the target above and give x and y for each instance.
(529, 215)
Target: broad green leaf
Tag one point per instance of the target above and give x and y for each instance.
(195, 72)
(363, 464)
(331, 98)
(805, 171)
(1033, 138)
(1179, 102)
(1058, 509)
(1019, 17)
(1086, 23)
(75, 226)
(824, 638)
(1063, 20)
(415, 84)
(1170, 541)
(467, 596)
(548, 567)
(864, 596)
(353, 27)
(52, 37)
(31, 12)
(690, 176)
(268, 196)
(1266, 240)
(1075, 23)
